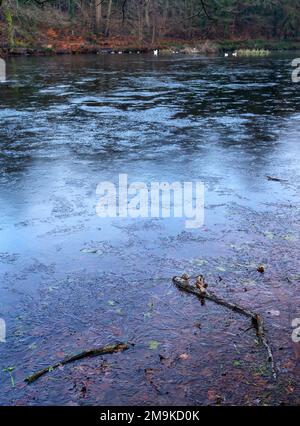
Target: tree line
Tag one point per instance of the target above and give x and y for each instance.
(152, 19)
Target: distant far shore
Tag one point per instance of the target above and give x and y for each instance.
(77, 45)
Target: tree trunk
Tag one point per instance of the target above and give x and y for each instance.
(98, 15)
(147, 13)
(108, 16)
(153, 31)
(72, 9)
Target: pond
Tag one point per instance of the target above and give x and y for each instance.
(71, 280)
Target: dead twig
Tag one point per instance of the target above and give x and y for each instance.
(257, 321)
(109, 349)
(275, 179)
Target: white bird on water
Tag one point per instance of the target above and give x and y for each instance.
(234, 54)
(155, 52)
(226, 55)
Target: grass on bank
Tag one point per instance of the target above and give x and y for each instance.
(259, 44)
(253, 52)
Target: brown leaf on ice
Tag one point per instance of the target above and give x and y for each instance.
(184, 356)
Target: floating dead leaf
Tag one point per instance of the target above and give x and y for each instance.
(32, 346)
(185, 277)
(184, 356)
(249, 282)
(153, 345)
(200, 262)
(212, 395)
(89, 250)
(290, 237)
(206, 372)
(269, 235)
(274, 313)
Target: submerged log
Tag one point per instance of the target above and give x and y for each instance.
(256, 319)
(109, 349)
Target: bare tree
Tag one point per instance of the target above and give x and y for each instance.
(98, 14)
(108, 18)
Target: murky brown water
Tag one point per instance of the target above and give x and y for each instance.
(69, 123)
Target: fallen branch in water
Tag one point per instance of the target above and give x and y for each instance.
(275, 179)
(109, 349)
(257, 321)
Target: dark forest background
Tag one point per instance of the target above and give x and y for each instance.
(146, 22)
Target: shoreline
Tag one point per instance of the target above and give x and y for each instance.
(166, 47)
